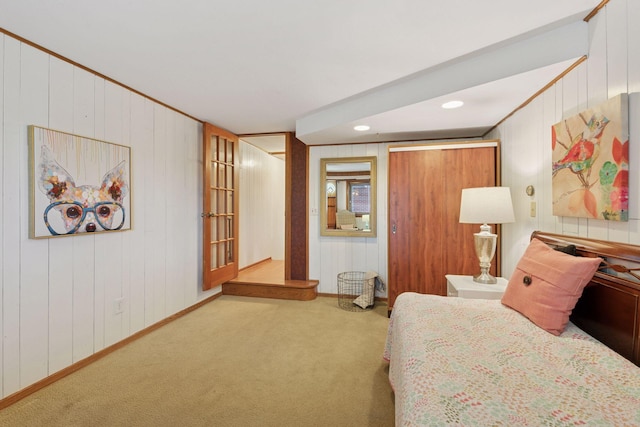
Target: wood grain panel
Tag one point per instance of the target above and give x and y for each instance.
(399, 249)
(110, 265)
(34, 255)
(124, 138)
(262, 218)
(159, 215)
(415, 237)
(426, 218)
(98, 302)
(2, 177)
(193, 230)
(58, 294)
(622, 31)
(465, 168)
(147, 216)
(83, 297)
(297, 290)
(296, 245)
(609, 308)
(331, 212)
(175, 197)
(610, 313)
(424, 203)
(632, 231)
(11, 209)
(139, 137)
(83, 274)
(329, 256)
(61, 254)
(108, 270)
(612, 67)
(546, 114)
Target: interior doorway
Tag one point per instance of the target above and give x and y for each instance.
(262, 206)
(273, 220)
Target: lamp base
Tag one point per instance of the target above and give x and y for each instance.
(485, 244)
(485, 278)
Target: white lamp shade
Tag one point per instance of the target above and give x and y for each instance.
(486, 205)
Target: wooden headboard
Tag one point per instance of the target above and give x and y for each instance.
(609, 308)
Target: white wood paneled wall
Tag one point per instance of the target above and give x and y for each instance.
(262, 195)
(613, 67)
(57, 300)
(330, 255)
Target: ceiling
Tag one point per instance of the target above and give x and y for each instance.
(318, 67)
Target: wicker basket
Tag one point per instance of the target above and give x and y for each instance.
(356, 292)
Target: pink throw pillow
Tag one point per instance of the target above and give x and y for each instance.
(546, 285)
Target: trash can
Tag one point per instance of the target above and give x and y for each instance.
(356, 290)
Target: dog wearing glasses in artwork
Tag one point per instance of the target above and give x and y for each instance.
(81, 208)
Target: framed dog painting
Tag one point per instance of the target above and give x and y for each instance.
(77, 185)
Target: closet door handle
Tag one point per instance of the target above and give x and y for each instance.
(393, 229)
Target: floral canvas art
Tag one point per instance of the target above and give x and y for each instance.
(78, 185)
(590, 163)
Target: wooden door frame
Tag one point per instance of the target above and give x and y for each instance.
(296, 226)
(296, 248)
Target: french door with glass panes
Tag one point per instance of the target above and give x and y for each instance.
(220, 204)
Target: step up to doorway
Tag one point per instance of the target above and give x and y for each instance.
(300, 290)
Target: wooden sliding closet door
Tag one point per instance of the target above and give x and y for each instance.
(416, 180)
(426, 241)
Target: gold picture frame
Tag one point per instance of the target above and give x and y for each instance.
(349, 209)
(77, 185)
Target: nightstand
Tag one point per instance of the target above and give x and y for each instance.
(465, 287)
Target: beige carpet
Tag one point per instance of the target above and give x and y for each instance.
(236, 361)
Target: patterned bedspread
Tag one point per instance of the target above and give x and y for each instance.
(476, 362)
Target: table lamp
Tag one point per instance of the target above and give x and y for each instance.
(486, 205)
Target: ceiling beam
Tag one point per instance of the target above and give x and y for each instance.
(548, 45)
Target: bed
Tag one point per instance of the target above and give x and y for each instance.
(462, 361)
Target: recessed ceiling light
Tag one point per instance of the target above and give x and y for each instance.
(361, 128)
(452, 104)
